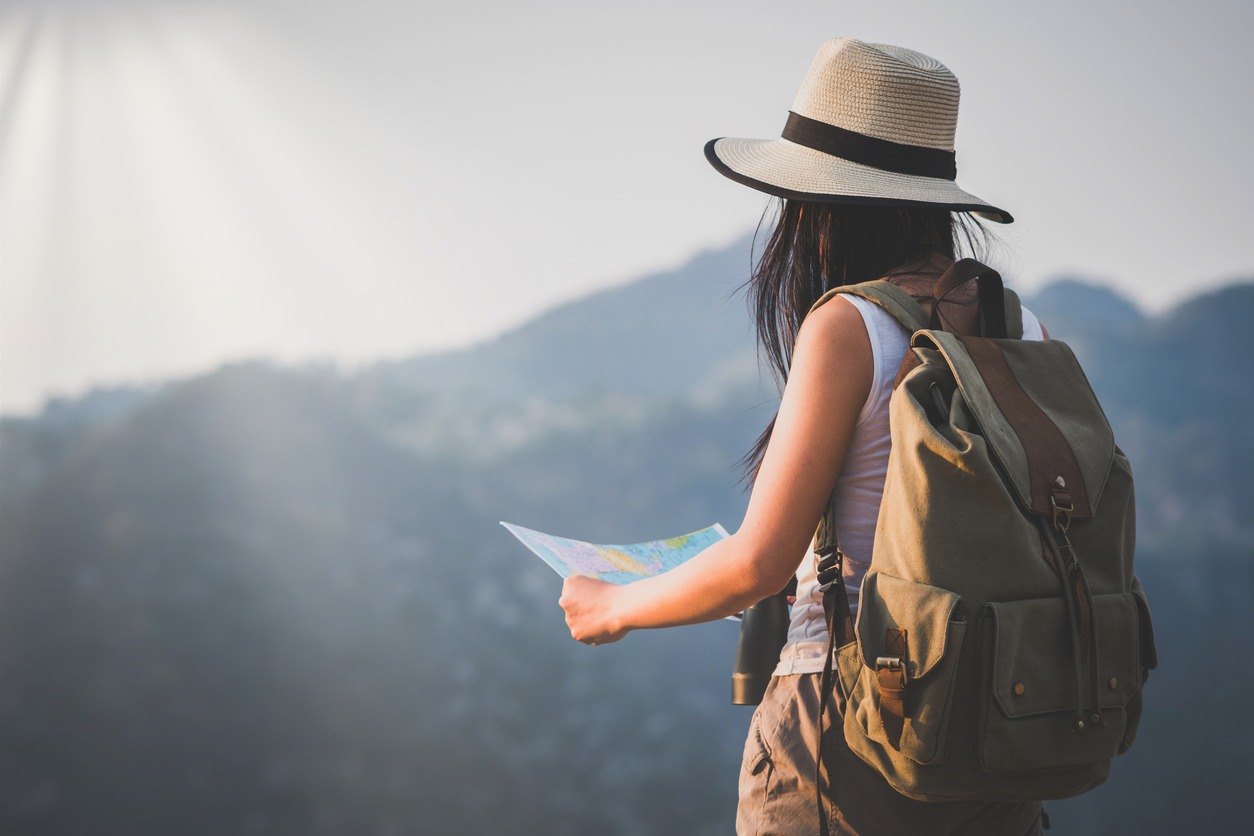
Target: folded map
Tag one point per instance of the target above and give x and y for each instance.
(616, 564)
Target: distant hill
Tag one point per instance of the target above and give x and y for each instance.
(1074, 308)
(277, 600)
(655, 336)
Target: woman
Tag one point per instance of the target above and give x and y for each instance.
(866, 169)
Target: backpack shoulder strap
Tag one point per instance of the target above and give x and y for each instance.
(899, 304)
(1014, 314)
(903, 307)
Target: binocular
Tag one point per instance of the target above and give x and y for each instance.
(763, 631)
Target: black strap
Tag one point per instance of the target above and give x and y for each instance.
(870, 150)
(992, 300)
(1064, 558)
(839, 632)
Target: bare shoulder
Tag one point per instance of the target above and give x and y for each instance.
(833, 353)
(836, 325)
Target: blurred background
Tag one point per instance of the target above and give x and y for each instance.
(298, 299)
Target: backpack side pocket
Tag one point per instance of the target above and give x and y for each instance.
(933, 624)
(1148, 659)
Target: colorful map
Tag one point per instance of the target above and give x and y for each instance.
(616, 564)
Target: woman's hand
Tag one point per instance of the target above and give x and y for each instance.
(589, 606)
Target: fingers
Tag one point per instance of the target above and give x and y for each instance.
(586, 603)
(581, 631)
(570, 604)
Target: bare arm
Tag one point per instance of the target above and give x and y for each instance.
(830, 378)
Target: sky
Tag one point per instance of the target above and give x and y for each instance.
(185, 183)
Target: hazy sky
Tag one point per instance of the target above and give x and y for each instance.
(184, 183)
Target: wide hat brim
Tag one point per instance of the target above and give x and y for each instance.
(785, 169)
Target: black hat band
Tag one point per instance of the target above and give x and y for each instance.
(869, 150)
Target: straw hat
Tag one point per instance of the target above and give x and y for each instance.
(871, 124)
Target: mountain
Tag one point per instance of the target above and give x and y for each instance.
(275, 600)
(1075, 309)
(655, 336)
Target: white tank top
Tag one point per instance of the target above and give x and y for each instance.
(859, 489)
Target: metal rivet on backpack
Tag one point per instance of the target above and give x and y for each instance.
(1112, 683)
(1060, 482)
(1019, 689)
(1079, 725)
(1095, 719)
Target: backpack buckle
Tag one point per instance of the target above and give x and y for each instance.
(830, 569)
(892, 664)
(1061, 505)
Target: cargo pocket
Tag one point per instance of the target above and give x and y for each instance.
(755, 779)
(757, 756)
(934, 628)
(1029, 690)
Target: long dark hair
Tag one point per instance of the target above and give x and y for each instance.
(817, 246)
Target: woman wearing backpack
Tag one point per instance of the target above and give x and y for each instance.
(865, 168)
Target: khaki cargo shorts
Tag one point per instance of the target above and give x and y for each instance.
(777, 796)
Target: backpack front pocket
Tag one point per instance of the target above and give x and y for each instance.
(1032, 686)
(909, 639)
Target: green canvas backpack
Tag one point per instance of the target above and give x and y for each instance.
(1002, 639)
